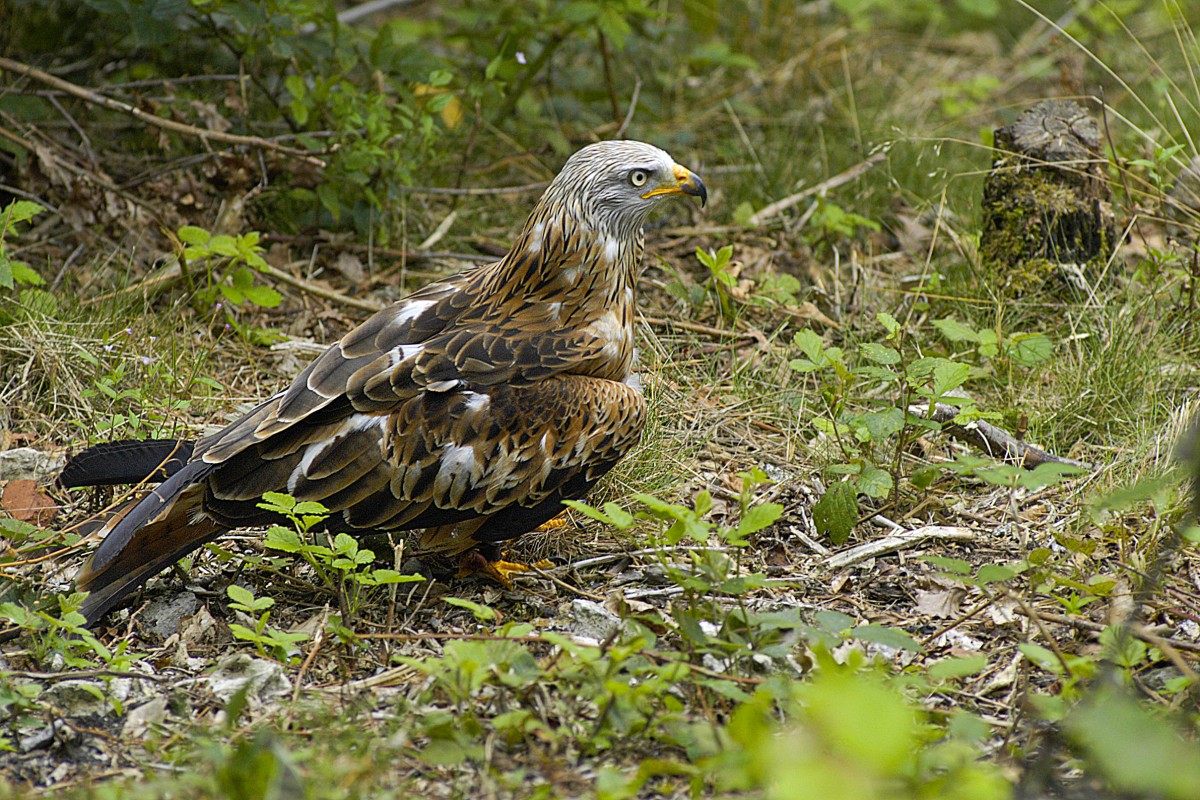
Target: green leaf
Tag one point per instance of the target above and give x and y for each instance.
(836, 513)
(283, 539)
(223, 245)
(1050, 473)
(263, 296)
(947, 669)
(889, 324)
(995, 573)
(482, 613)
(21, 273)
(810, 345)
(232, 294)
(20, 211)
(1028, 349)
(197, 237)
(239, 594)
(843, 706)
(878, 353)
(1041, 657)
(384, 577)
(882, 424)
(295, 86)
(244, 600)
(1138, 750)
(889, 637)
(955, 331)
(277, 501)
(759, 517)
(954, 566)
(874, 482)
(948, 376)
(834, 621)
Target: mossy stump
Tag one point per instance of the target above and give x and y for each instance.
(1047, 205)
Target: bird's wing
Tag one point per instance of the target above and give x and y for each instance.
(444, 337)
(443, 458)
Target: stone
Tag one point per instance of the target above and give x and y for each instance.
(261, 679)
(164, 617)
(27, 463)
(593, 621)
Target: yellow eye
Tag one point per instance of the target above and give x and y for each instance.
(638, 178)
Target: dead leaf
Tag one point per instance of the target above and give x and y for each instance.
(351, 267)
(941, 605)
(24, 500)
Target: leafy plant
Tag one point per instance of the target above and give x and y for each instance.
(13, 272)
(229, 264)
(1023, 349)
(344, 567)
(266, 639)
(720, 281)
(831, 220)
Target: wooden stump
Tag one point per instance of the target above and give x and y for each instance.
(1047, 206)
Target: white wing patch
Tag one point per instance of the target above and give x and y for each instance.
(476, 402)
(456, 473)
(352, 424)
(310, 455)
(404, 352)
(411, 310)
(535, 238)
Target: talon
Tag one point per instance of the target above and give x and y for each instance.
(555, 522)
(501, 571)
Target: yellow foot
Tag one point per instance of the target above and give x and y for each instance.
(500, 571)
(555, 522)
(503, 571)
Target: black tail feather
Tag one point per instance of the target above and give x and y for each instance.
(129, 461)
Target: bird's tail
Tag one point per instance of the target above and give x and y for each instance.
(163, 527)
(130, 461)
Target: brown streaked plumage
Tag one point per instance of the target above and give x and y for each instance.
(468, 411)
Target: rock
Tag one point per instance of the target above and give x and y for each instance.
(26, 463)
(594, 621)
(139, 720)
(164, 617)
(77, 698)
(44, 736)
(260, 678)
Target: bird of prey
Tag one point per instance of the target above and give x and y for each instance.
(465, 413)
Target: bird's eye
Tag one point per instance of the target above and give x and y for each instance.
(638, 178)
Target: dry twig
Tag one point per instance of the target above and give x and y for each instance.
(95, 98)
(992, 440)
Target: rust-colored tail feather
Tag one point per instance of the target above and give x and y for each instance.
(162, 528)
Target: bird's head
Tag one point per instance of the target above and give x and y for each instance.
(615, 185)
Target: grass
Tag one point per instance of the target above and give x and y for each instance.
(958, 655)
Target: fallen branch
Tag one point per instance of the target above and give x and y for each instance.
(1143, 632)
(895, 542)
(95, 98)
(763, 214)
(320, 291)
(695, 327)
(994, 441)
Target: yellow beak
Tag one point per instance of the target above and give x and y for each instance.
(686, 182)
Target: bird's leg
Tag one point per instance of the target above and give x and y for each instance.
(476, 563)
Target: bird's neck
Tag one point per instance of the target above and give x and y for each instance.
(562, 258)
